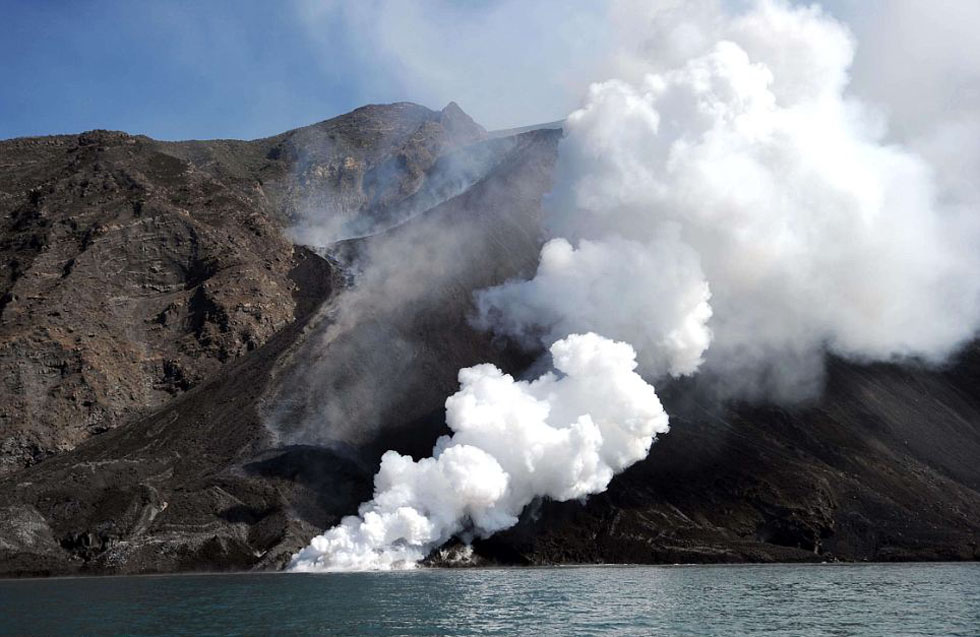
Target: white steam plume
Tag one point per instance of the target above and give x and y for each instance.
(748, 168)
(731, 157)
(562, 436)
(653, 293)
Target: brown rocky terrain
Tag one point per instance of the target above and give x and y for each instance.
(186, 388)
(131, 270)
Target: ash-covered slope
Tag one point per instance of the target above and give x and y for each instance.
(389, 351)
(202, 482)
(883, 467)
(287, 407)
(131, 270)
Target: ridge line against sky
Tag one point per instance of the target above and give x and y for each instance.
(178, 69)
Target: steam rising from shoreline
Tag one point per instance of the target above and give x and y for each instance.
(728, 208)
(562, 436)
(653, 293)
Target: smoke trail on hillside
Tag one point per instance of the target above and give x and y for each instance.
(728, 209)
(561, 437)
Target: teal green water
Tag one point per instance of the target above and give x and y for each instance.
(859, 599)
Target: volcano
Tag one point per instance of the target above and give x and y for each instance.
(206, 346)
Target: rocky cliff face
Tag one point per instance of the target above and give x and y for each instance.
(132, 270)
(185, 388)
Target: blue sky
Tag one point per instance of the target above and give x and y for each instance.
(168, 69)
(181, 69)
(176, 69)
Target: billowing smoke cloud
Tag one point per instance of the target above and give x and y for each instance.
(729, 208)
(562, 436)
(653, 293)
(747, 169)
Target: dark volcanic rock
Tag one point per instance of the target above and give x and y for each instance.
(171, 491)
(882, 467)
(129, 276)
(201, 483)
(185, 389)
(131, 270)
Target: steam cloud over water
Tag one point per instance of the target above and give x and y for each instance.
(562, 437)
(728, 208)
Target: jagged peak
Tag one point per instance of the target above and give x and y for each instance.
(452, 108)
(459, 124)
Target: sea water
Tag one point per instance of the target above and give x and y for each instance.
(785, 599)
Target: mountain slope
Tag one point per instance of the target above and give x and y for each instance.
(883, 467)
(132, 270)
(243, 387)
(203, 482)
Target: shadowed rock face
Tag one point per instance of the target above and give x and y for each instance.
(132, 270)
(191, 391)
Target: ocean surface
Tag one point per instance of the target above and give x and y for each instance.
(832, 599)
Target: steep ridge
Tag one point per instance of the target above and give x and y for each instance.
(132, 270)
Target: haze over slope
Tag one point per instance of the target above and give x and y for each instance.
(735, 217)
(133, 269)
